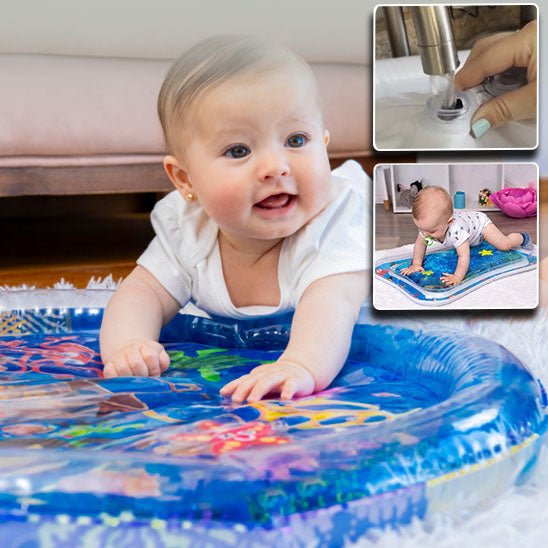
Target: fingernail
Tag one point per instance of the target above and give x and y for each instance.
(480, 127)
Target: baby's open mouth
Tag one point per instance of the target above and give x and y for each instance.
(276, 201)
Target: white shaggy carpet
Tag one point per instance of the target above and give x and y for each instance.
(517, 518)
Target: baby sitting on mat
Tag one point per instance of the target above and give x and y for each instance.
(434, 216)
(258, 225)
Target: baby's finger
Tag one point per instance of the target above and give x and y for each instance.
(122, 368)
(264, 385)
(164, 360)
(109, 370)
(230, 387)
(136, 363)
(152, 360)
(244, 388)
(288, 390)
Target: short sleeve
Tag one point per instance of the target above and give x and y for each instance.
(457, 234)
(171, 255)
(337, 241)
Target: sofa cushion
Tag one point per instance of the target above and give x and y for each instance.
(64, 110)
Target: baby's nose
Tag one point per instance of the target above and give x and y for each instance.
(273, 164)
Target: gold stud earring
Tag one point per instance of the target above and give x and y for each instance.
(190, 196)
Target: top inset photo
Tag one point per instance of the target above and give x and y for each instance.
(455, 77)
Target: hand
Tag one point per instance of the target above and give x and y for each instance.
(450, 279)
(493, 55)
(138, 358)
(283, 377)
(411, 269)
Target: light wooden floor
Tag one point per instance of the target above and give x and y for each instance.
(396, 229)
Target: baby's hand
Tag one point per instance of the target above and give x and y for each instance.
(450, 279)
(138, 358)
(411, 269)
(283, 377)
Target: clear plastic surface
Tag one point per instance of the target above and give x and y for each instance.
(166, 459)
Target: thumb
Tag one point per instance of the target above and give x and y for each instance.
(519, 104)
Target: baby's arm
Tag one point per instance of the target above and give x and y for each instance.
(131, 326)
(463, 252)
(419, 251)
(318, 345)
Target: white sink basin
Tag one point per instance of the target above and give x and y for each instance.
(401, 121)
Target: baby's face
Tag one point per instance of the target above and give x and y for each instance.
(432, 227)
(256, 158)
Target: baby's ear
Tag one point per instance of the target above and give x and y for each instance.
(178, 176)
(326, 137)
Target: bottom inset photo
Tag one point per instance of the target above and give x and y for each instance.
(455, 236)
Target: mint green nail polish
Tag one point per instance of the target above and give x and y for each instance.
(480, 127)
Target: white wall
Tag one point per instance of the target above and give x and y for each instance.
(433, 175)
(467, 177)
(520, 175)
(319, 30)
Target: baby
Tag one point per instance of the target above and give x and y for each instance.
(258, 224)
(434, 216)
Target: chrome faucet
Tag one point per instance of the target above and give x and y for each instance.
(436, 45)
(435, 39)
(434, 36)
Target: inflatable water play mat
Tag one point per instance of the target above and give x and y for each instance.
(417, 421)
(487, 264)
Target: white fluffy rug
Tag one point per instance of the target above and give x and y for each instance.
(517, 518)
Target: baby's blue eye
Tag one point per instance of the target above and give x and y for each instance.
(296, 141)
(237, 151)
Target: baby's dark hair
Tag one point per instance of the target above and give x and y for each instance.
(433, 200)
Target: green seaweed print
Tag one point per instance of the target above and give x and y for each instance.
(209, 362)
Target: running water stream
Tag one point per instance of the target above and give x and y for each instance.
(443, 86)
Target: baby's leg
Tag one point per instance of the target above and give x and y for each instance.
(492, 235)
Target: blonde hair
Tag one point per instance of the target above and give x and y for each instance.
(210, 63)
(433, 200)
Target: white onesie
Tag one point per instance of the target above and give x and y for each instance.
(466, 225)
(184, 256)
